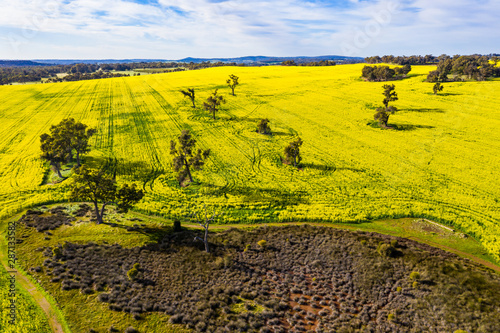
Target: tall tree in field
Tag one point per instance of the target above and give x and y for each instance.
(53, 152)
(189, 93)
(80, 136)
(382, 114)
(213, 102)
(232, 82)
(69, 136)
(292, 152)
(390, 94)
(437, 88)
(97, 187)
(184, 157)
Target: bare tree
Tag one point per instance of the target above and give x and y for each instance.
(189, 93)
(204, 220)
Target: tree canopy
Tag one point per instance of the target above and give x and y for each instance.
(292, 152)
(98, 187)
(384, 73)
(64, 139)
(213, 102)
(232, 82)
(382, 114)
(184, 157)
(263, 127)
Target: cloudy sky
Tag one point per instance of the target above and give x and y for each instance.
(173, 29)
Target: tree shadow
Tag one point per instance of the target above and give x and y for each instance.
(436, 110)
(407, 127)
(253, 194)
(278, 133)
(138, 170)
(319, 167)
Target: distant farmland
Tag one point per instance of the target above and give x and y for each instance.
(441, 161)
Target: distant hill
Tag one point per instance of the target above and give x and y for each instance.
(19, 63)
(262, 60)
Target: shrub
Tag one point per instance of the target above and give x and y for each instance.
(57, 252)
(386, 250)
(132, 274)
(262, 243)
(415, 285)
(460, 331)
(399, 289)
(394, 243)
(415, 276)
(390, 317)
(247, 247)
(137, 266)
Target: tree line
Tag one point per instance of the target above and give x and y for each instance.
(385, 73)
(474, 67)
(310, 63)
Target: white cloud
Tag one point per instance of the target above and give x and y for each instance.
(203, 28)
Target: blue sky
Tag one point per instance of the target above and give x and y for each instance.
(173, 29)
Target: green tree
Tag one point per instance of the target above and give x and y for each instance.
(97, 187)
(185, 158)
(80, 136)
(213, 102)
(53, 152)
(382, 114)
(189, 93)
(292, 152)
(68, 136)
(232, 82)
(263, 127)
(390, 94)
(437, 87)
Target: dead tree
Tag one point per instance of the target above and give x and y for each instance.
(204, 220)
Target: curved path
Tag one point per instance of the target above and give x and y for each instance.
(38, 297)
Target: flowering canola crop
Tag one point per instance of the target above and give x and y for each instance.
(441, 161)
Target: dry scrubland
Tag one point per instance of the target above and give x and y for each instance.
(269, 279)
(441, 162)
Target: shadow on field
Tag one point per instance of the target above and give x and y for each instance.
(436, 110)
(139, 170)
(253, 194)
(319, 167)
(407, 127)
(155, 234)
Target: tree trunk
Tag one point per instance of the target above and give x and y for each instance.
(233, 91)
(78, 159)
(57, 167)
(192, 100)
(205, 240)
(188, 171)
(97, 213)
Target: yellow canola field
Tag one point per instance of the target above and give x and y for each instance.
(441, 162)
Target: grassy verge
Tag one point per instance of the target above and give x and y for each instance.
(29, 316)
